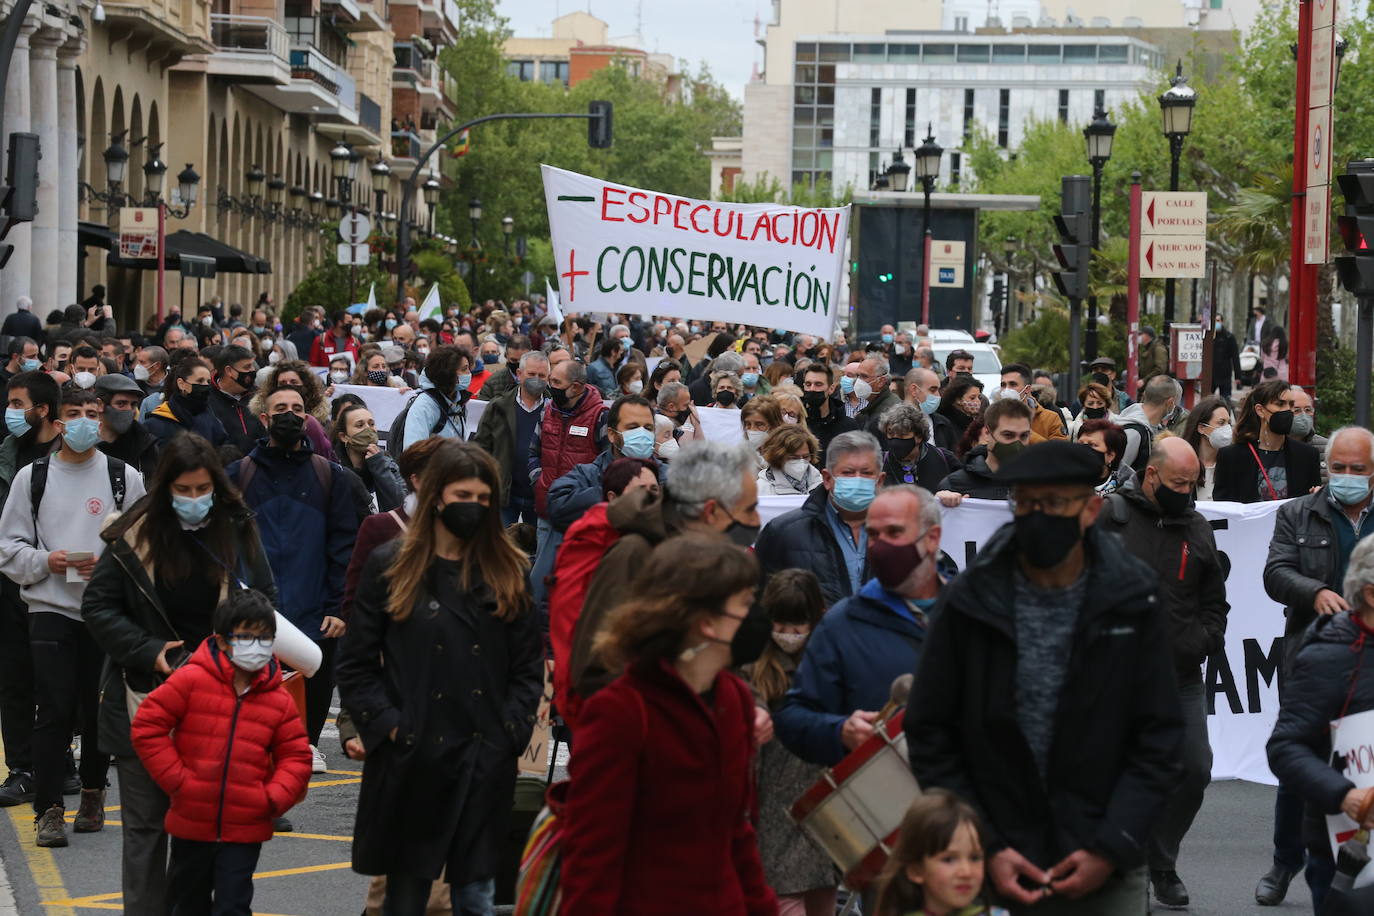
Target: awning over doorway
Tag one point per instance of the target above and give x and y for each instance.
(228, 259)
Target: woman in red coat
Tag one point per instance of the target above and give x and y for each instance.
(658, 812)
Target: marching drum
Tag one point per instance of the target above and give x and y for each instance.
(855, 810)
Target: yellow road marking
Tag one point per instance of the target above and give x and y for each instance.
(42, 863)
(303, 870)
(316, 836)
(112, 901)
(345, 772)
(334, 782)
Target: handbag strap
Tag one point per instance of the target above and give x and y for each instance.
(1273, 494)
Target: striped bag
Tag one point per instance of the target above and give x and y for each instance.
(537, 888)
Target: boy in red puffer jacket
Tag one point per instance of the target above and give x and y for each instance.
(231, 760)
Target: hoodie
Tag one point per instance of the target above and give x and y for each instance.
(1133, 422)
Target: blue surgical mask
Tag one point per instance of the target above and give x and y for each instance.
(750, 379)
(930, 404)
(887, 338)
(854, 494)
(390, 323)
(624, 343)
(464, 380)
(82, 433)
(847, 384)
(16, 421)
(30, 365)
(637, 443)
(1349, 489)
(193, 509)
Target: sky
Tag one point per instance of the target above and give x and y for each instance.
(719, 32)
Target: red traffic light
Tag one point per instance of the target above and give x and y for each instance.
(1355, 231)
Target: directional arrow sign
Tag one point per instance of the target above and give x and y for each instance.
(1174, 213)
(1173, 256)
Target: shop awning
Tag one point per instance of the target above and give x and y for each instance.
(228, 259)
(97, 235)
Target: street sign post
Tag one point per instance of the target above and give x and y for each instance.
(353, 255)
(1173, 234)
(354, 228)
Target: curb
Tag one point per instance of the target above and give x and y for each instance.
(7, 905)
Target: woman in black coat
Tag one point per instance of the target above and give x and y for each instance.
(1263, 463)
(960, 405)
(442, 669)
(171, 559)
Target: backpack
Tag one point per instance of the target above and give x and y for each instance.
(395, 438)
(324, 472)
(38, 484)
(1142, 454)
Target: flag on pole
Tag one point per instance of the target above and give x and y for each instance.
(432, 307)
(463, 145)
(372, 297)
(551, 304)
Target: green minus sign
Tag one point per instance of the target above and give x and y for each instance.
(590, 200)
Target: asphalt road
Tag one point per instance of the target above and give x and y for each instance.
(306, 873)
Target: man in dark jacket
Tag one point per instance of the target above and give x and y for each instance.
(22, 322)
(121, 435)
(869, 639)
(1159, 525)
(871, 386)
(629, 433)
(825, 416)
(506, 429)
(233, 389)
(826, 535)
(1313, 538)
(1046, 698)
(308, 524)
(1225, 359)
(1007, 425)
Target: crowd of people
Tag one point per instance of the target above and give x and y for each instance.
(220, 485)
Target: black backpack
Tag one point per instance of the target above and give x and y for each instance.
(1142, 454)
(38, 484)
(395, 437)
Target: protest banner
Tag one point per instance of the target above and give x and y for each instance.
(535, 759)
(1352, 748)
(624, 249)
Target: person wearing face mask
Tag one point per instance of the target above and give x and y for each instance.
(630, 434)
(1153, 356)
(230, 686)
(759, 417)
(502, 382)
(1155, 518)
(1006, 434)
(1305, 422)
(340, 370)
(187, 408)
(923, 389)
(1264, 463)
(506, 429)
(1159, 400)
(871, 638)
(1208, 430)
(442, 738)
(901, 356)
(676, 709)
(232, 390)
(1107, 439)
(23, 353)
(337, 338)
(796, 868)
(121, 435)
(788, 454)
(827, 535)
(1021, 664)
(308, 522)
(826, 413)
(1096, 400)
(56, 508)
(725, 390)
(355, 447)
(909, 455)
(1314, 536)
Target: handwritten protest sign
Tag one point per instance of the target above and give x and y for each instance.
(1352, 745)
(625, 249)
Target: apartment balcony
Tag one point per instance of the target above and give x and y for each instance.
(348, 16)
(249, 49)
(376, 13)
(366, 134)
(439, 19)
(407, 146)
(413, 70)
(179, 27)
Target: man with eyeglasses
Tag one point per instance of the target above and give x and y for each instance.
(1305, 423)
(1156, 519)
(1045, 696)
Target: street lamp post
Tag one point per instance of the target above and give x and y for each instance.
(928, 156)
(475, 246)
(1176, 105)
(381, 172)
(507, 227)
(1099, 136)
(154, 181)
(343, 166)
(431, 189)
(1009, 247)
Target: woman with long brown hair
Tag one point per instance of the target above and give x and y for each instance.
(1264, 463)
(658, 809)
(442, 669)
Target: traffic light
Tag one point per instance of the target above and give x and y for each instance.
(1356, 270)
(19, 197)
(599, 125)
(1074, 250)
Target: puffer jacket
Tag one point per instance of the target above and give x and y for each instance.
(229, 763)
(174, 416)
(1182, 550)
(1302, 559)
(803, 539)
(571, 495)
(976, 479)
(1328, 675)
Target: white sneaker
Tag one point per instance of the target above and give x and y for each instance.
(317, 764)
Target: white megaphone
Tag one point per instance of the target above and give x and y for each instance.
(295, 648)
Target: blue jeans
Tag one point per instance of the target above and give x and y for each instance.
(548, 541)
(408, 896)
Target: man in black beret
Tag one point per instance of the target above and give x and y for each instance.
(1046, 696)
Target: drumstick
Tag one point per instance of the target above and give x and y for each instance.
(897, 696)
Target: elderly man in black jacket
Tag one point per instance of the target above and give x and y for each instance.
(1314, 536)
(1046, 697)
(1157, 520)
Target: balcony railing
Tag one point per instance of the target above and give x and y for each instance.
(250, 34)
(308, 63)
(369, 113)
(405, 145)
(408, 57)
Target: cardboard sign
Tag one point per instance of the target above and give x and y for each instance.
(535, 759)
(1352, 744)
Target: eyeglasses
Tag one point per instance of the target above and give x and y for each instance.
(244, 640)
(1054, 505)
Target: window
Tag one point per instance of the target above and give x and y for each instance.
(939, 54)
(956, 162)
(1063, 106)
(1113, 54)
(806, 51)
(875, 116)
(522, 70)
(961, 23)
(1080, 54)
(873, 168)
(870, 53)
(904, 53)
(834, 52)
(1044, 54)
(968, 113)
(974, 54)
(909, 132)
(1008, 54)
(806, 73)
(553, 71)
(1003, 117)
(1099, 101)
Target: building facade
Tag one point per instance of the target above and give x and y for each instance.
(580, 46)
(253, 94)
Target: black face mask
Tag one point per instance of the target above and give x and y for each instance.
(1281, 422)
(742, 534)
(200, 397)
(813, 399)
(286, 429)
(754, 633)
(1045, 540)
(1172, 502)
(560, 397)
(463, 520)
(1094, 413)
(900, 448)
(725, 397)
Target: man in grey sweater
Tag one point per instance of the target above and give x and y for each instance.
(50, 550)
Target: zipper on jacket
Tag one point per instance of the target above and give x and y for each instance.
(228, 755)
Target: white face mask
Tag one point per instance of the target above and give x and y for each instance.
(84, 379)
(899, 349)
(755, 437)
(668, 449)
(1221, 436)
(274, 357)
(251, 658)
(862, 390)
(141, 373)
(338, 378)
(791, 643)
(796, 468)
(636, 386)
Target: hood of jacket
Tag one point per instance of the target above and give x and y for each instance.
(1135, 413)
(641, 512)
(977, 466)
(209, 657)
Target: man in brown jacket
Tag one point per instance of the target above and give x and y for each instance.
(1154, 356)
(1045, 424)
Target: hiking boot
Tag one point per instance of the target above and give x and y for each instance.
(1169, 889)
(17, 789)
(1273, 887)
(71, 783)
(90, 817)
(51, 828)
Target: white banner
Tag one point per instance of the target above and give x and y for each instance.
(1353, 739)
(624, 249)
(1242, 682)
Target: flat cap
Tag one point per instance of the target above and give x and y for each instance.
(1055, 461)
(112, 382)
(1146, 329)
(1104, 361)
